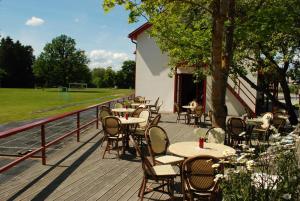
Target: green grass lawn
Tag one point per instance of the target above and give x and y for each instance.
(26, 104)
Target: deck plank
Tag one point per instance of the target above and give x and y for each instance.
(78, 172)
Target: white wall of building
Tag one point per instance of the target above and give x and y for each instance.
(152, 70)
(234, 106)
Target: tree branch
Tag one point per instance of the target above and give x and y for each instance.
(265, 91)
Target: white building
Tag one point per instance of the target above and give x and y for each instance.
(152, 80)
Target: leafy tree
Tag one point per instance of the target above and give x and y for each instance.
(61, 63)
(126, 76)
(193, 33)
(15, 64)
(109, 78)
(268, 42)
(98, 76)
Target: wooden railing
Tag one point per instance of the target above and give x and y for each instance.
(42, 123)
(242, 92)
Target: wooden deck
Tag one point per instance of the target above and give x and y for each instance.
(77, 171)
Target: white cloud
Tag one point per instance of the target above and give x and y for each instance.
(105, 58)
(34, 21)
(76, 20)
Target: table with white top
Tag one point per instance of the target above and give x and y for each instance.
(123, 110)
(191, 149)
(138, 104)
(127, 122)
(188, 107)
(131, 120)
(251, 123)
(254, 121)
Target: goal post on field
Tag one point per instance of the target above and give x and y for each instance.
(77, 85)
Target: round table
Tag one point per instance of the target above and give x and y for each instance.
(131, 120)
(254, 121)
(188, 107)
(191, 149)
(123, 110)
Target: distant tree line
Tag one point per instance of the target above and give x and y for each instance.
(124, 78)
(59, 64)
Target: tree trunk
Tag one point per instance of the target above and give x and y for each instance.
(287, 97)
(286, 92)
(219, 75)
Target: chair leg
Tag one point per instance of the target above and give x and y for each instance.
(107, 144)
(143, 189)
(117, 147)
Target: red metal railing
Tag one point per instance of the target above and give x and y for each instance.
(241, 89)
(42, 123)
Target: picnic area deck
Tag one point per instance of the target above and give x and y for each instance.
(78, 172)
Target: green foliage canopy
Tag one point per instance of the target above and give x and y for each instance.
(15, 64)
(107, 77)
(61, 63)
(181, 28)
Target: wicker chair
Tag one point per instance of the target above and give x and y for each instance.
(155, 120)
(113, 134)
(279, 123)
(139, 130)
(196, 115)
(193, 103)
(154, 105)
(180, 113)
(208, 115)
(236, 129)
(156, 109)
(102, 115)
(164, 175)
(198, 178)
(136, 112)
(104, 107)
(262, 132)
(118, 105)
(158, 142)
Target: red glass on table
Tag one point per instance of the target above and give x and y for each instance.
(201, 142)
(126, 116)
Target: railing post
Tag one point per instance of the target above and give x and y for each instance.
(78, 126)
(97, 117)
(239, 87)
(43, 144)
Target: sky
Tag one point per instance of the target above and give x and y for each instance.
(103, 36)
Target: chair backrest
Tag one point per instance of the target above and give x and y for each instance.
(235, 126)
(177, 108)
(139, 99)
(279, 123)
(215, 135)
(156, 120)
(198, 173)
(193, 103)
(267, 118)
(146, 164)
(198, 111)
(210, 114)
(159, 106)
(103, 114)
(157, 140)
(104, 107)
(112, 126)
(145, 114)
(156, 102)
(118, 105)
(137, 111)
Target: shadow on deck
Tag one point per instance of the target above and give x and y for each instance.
(77, 171)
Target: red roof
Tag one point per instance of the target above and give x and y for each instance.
(133, 35)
